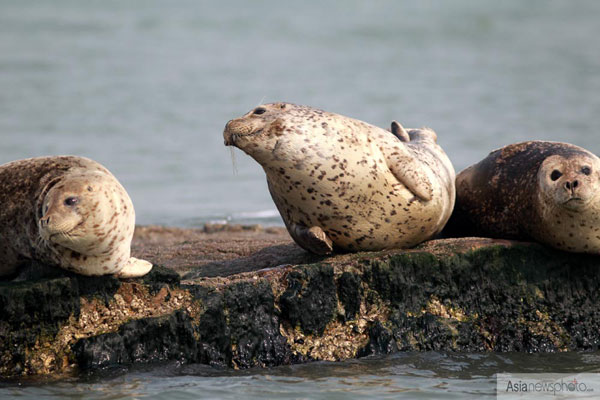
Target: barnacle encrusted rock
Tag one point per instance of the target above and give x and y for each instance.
(452, 294)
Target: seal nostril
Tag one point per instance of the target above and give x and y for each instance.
(575, 184)
(568, 185)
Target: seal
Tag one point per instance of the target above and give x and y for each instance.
(342, 184)
(547, 192)
(69, 212)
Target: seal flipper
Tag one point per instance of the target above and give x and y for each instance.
(408, 172)
(399, 131)
(134, 268)
(313, 239)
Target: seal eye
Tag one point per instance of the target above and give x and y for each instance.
(586, 170)
(260, 110)
(71, 201)
(555, 175)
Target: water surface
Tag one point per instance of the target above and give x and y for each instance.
(429, 375)
(146, 87)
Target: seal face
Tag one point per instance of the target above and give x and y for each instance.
(66, 211)
(543, 191)
(341, 183)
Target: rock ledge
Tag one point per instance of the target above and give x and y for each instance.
(467, 294)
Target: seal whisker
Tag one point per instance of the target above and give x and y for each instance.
(233, 162)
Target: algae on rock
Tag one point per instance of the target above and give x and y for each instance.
(451, 294)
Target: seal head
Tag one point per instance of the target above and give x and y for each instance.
(71, 210)
(570, 182)
(264, 124)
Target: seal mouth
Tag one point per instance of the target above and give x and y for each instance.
(55, 235)
(575, 200)
(231, 138)
(50, 237)
(575, 203)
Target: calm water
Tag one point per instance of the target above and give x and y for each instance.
(145, 87)
(402, 376)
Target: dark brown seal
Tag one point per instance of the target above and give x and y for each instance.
(542, 191)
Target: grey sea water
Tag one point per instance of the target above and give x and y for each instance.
(146, 87)
(430, 375)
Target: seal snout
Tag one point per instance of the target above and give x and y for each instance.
(44, 221)
(571, 186)
(236, 129)
(228, 135)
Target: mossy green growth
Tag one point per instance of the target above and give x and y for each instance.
(469, 297)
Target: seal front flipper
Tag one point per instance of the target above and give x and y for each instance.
(409, 172)
(399, 131)
(134, 268)
(313, 239)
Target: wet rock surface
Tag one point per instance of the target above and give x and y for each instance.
(242, 297)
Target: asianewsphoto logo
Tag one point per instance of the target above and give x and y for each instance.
(517, 385)
(562, 386)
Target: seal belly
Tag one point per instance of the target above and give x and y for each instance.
(357, 210)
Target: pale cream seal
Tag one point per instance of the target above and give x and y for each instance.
(340, 183)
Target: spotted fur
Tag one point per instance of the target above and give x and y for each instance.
(542, 191)
(91, 236)
(344, 183)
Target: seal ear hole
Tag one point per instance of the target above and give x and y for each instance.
(282, 106)
(259, 111)
(71, 201)
(89, 188)
(555, 174)
(586, 170)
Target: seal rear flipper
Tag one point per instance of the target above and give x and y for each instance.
(399, 131)
(134, 268)
(407, 170)
(312, 239)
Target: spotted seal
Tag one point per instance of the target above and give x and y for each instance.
(69, 212)
(340, 183)
(547, 192)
